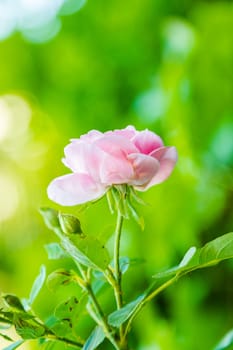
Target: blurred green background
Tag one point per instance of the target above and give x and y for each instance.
(165, 66)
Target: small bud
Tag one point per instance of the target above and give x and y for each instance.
(13, 301)
(69, 223)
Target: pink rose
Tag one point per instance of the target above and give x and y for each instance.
(100, 160)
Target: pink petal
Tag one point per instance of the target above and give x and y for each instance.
(129, 132)
(72, 159)
(115, 170)
(146, 141)
(116, 145)
(145, 168)
(84, 158)
(91, 136)
(73, 189)
(167, 157)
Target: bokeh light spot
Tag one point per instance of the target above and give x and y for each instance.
(15, 115)
(43, 33)
(222, 145)
(71, 6)
(9, 199)
(179, 39)
(37, 20)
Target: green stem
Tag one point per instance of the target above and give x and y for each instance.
(101, 317)
(117, 270)
(104, 324)
(148, 298)
(117, 260)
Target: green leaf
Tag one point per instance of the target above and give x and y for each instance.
(55, 251)
(95, 339)
(187, 257)
(126, 262)
(50, 217)
(67, 315)
(69, 223)
(87, 251)
(6, 317)
(92, 312)
(5, 337)
(30, 331)
(14, 346)
(5, 321)
(67, 309)
(62, 328)
(27, 327)
(98, 284)
(72, 308)
(99, 281)
(60, 277)
(120, 316)
(37, 285)
(13, 301)
(45, 343)
(226, 342)
(212, 253)
(217, 250)
(106, 234)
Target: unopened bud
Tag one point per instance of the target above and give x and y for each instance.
(69, 223)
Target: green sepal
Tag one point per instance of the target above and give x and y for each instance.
(110, 201)
(119, 194)
(13, 301)
(134, 196)
(133, 212)
(50, 217)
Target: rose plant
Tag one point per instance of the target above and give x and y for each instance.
(116, 163)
